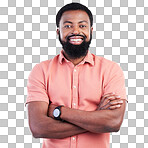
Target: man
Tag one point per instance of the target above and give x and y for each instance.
(75, 99)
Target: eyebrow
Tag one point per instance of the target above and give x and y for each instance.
(83, 21)
(72, 23)
(67, 22)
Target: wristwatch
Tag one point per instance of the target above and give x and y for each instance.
(57, 112)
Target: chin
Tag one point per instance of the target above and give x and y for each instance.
(75, 51)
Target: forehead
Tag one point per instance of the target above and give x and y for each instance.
(75, 16)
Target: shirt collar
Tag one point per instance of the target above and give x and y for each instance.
(88, 59)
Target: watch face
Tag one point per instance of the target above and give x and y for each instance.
(56, 113)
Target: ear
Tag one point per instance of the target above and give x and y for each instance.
(58, 31)
(91, 29)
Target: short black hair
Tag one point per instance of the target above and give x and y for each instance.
(73, 6)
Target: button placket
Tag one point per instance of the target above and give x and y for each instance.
(75, 88)
(75, 70)
(74, 105)
(73, 142)
(73, 138)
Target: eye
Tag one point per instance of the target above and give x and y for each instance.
(82, 26)
(67, 26)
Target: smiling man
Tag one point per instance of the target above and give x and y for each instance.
(77, 98)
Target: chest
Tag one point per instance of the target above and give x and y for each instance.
(78, 87)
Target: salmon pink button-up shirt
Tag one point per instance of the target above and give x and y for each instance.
(80, 87)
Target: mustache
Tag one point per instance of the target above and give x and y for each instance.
(83, 36)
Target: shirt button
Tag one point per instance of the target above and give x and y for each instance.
(74, 104)
(73, 138)
(74, 86)
(75, 70)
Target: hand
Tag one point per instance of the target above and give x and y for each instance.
(110, 101)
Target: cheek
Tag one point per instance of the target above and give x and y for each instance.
(88, 34)
(63, 35)
(88, 37)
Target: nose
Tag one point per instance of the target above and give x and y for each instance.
(76, 30)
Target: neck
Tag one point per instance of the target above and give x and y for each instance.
(74, 61)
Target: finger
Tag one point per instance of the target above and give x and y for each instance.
(113, 97)
(114, 102)
(109, 94)
(106, 100)
(114, 107)
(106, 106)
(106, 95)
(111, 104)
(110, 98)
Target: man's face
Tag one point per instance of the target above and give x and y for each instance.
(75, 33)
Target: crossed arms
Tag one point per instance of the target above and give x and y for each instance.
(107, 117)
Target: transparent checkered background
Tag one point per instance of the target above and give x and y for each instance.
(28, 36)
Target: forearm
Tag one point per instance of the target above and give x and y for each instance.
(53, 129)
(43, 126)
(101, 121)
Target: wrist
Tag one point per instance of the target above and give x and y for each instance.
(51, 109)
(57, 113)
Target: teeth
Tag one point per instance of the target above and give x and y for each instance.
(76, 40)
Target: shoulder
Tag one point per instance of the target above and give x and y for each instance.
(45, 65)
(106, 65)
(103, 61)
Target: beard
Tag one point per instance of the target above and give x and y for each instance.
(76, 51)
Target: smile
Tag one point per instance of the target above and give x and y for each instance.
(76, 40)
